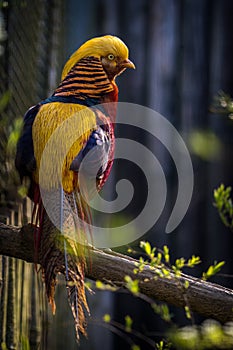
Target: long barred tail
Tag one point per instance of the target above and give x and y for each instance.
(77, 298)
(59, 252)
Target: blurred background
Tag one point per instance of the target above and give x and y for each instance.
(183, 51)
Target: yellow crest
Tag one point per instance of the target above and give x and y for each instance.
(97, 47)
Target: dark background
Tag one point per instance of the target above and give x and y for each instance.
(183, 51)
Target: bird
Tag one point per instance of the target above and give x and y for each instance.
(89, 91)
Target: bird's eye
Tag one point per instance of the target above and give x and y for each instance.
(111, 57)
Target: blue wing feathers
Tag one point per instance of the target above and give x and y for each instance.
(25, 161)
(97, 152)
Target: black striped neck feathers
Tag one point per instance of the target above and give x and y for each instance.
(88, 80)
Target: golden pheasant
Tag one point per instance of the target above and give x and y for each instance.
(86, 89)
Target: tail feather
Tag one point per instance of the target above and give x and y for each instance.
(77, 300)
(77, 310)
(60, 252)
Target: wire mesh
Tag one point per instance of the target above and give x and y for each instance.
(31, 41)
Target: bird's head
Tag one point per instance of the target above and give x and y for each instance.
(111, 51)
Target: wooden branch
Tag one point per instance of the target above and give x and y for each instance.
(208, 299)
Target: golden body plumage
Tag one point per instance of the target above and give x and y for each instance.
(50, 117)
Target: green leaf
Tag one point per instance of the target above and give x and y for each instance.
(162, 345)
(224, 205)
(187, 312)
(4, 100)
(128, 323)
(195, 260)
(132, 285)
(163, 311)
(179, 263)
(140, 264)
(99, 284)
(212, 270)
(146, 247)
(166, 254)
(166, 272)
(205, 144)
(14, 135)
(159, 258)
(104, 286)
(135, 347)
(107, 318)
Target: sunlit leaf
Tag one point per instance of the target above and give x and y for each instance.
(135, 347)
(128, 323)
(205, 144)
(132, 285)
(107, 318)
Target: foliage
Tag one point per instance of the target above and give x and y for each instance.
(125, 330)
(25, 345)
(104, 286)
(205, 144)
(210, 335)
(3, 346)
(224, 205)
(223, 104)
(159, 262)
(132, 285)
(9, 135)
(163, 311)
(107, 318)
(212, 270)
(128, 323)
(207, 336)
(162, 345)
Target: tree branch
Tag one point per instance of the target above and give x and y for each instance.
(207, 299)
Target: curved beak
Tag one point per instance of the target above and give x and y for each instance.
(127, 64)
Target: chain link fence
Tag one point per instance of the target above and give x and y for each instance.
(31, 41)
